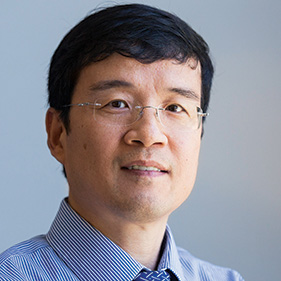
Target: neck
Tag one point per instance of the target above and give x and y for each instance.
(142, 240)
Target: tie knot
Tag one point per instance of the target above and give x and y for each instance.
(153, 276)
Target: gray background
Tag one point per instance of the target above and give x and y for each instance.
(232, 218)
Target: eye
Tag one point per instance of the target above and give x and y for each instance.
(117, 104)
(176, 108)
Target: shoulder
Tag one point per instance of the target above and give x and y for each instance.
(202, 270)
(24, 249)
(21, 260)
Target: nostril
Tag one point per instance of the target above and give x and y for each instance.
(137, 141)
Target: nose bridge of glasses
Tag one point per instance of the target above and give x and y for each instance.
(141, 109)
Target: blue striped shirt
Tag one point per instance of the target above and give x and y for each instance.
(74, 250)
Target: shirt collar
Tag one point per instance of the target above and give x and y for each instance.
(92, 256)
(170, 257)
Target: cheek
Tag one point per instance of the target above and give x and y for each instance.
(99, 146)
(186, 153)
(186, 147)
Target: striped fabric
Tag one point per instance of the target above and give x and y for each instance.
(74, 250)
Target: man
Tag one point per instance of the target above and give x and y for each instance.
(128, 90)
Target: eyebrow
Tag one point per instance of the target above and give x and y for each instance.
(110, 84)
(186, 93)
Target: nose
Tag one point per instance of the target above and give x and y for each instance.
(147, 130)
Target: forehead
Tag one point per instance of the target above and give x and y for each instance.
(157, 78)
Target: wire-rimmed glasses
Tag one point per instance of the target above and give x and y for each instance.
(183, 116)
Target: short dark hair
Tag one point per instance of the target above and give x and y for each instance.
(138, 31)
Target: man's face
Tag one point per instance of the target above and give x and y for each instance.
(105, 164)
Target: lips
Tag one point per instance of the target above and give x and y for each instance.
(143, 168)
(150, 166)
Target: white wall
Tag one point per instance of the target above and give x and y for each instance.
(232, 218)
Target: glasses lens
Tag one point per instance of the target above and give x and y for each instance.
(182, 117)
(115, 112)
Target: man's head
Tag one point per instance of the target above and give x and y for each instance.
(138, 31)
(121, 60)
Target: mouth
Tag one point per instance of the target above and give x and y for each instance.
(146, 168)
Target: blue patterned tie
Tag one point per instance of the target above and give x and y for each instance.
(153, 276)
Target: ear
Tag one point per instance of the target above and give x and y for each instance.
(56, 134)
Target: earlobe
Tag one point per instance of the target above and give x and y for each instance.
(56, 134)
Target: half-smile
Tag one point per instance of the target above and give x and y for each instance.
(144, 168)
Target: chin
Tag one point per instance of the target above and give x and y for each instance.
(142, 209)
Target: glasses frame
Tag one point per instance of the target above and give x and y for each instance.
(200, 112)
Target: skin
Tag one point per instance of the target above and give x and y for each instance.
(131, 207)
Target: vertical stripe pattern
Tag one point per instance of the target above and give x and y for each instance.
(73, 250)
